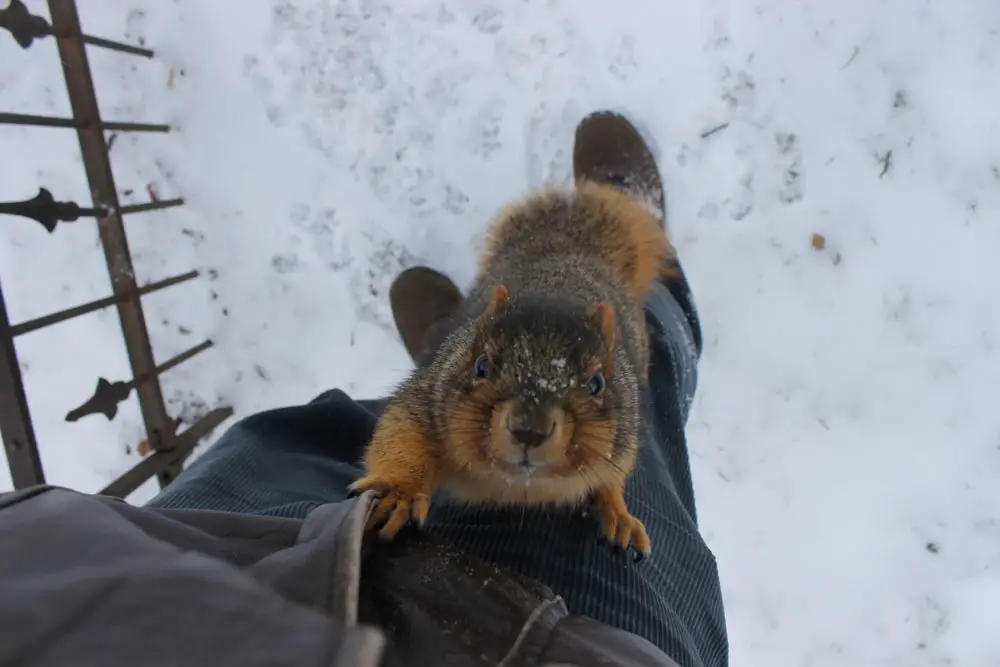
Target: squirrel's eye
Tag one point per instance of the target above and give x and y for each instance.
(483, 367)
(596, 384)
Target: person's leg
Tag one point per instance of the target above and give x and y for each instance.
(283, 462)
(673, 598)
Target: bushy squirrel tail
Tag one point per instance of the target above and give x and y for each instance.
(596, 218)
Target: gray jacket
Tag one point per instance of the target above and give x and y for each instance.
(87, 580)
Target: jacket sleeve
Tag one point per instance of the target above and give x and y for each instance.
(82, 585)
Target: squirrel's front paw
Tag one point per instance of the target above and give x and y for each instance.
(621, 528)
(397, 505)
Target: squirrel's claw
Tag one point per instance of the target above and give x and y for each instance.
(629, 534)
(396, 507)
(620, 528)
(400, 511)
(370, 483)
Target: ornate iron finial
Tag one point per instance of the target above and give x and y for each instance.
(108, 395)
(27, 28)
(48, 212)
(105, 400)
(19, 22)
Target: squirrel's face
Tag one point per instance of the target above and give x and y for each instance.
(539, 399)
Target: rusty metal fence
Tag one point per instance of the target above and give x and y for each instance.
(169, 449)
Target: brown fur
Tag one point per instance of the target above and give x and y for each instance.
(633, 245)
(556, 307)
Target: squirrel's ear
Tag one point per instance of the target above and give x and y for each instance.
(602, 316)
(498, 301)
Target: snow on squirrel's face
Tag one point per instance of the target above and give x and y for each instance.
(539, 401)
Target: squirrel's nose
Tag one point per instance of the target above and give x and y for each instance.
(528, 438)
(531, 425)
(530, 433)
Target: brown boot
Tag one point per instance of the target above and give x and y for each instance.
(609, 149)
(422, 301)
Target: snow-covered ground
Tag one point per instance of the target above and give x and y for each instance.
(846, 440)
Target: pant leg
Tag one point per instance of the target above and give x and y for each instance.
(673, 598)
(283, 462)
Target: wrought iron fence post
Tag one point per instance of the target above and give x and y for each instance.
(170, 449)
(15, 419)
(83, 100)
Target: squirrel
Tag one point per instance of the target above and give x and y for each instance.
(534, 397)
